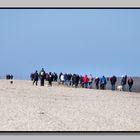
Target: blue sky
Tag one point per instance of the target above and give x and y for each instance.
(96, 41)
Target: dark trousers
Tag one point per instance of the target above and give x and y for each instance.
(123, 87)
(102, 86)
(50, 83)
(35, 81)
(76, 84)
(130, 88)
(42, 82)
(97, 85)
(113, 86)
(85, 85)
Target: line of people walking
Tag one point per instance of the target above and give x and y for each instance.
(42, 76)
(76, 80)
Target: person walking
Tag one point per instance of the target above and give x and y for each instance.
(130, 83)
(90, 81)
(103, 83)
(42, 76)
(35, 79)
(81, 81)
(113, 81)
(123, 82)
(62, 79)
(50, 78)
(97, 80)
(85, 80)
(76, 80)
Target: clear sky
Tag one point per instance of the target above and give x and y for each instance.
(84, 41)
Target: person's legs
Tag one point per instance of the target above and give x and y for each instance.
(33, 82)
(130, 88)
(36, 82)
(84, 85)
(97, 86)
(50, 83)
(90, 85)
(100, 86)
(75, 84)
(103, 86)
(113, 86)
(69, 83)
(42, 82)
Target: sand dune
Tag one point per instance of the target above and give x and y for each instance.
(24, 107)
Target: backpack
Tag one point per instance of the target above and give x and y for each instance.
(42, 73)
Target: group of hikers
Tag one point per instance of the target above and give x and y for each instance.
(9, 76)
(75, 80)
(42, 75)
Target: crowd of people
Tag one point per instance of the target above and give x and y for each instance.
(76, 80)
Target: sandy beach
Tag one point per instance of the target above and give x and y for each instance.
(24, 107)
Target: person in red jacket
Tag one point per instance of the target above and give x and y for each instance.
(85, 81)
(130, 84)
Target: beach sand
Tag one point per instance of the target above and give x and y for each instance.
(24, 107)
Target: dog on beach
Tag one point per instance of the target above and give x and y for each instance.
(119, 87)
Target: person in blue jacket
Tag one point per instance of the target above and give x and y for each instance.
(103, 82)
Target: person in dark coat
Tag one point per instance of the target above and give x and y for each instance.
(76, 80)
(35, 79)
(8, 76)
(113, 81)
(50, 79)
(69, 79)
(42, 76)
(130, 83)
(55, 77)
(81, 81)
(123, 82)
(97, 80)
